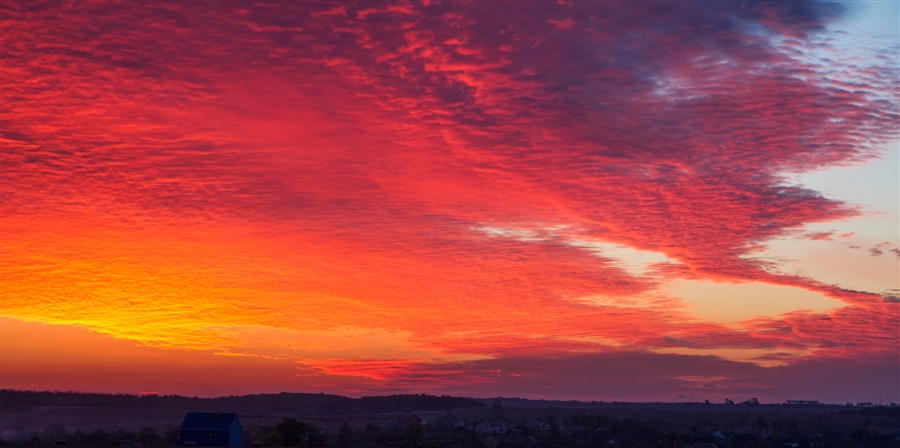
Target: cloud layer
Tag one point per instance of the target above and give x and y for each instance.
(409, 192)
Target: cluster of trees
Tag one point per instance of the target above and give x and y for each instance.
(849, 430)
(100, 437)
(293, 432)
(412, 435)
(842, 430)
(591, 430)
(758, 426)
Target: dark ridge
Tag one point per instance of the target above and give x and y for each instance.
(284, 402)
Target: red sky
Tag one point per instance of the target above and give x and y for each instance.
(583, 200)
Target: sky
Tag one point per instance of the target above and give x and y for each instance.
(593, 200)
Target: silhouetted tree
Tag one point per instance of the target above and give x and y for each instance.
(554, 427)
(316, 438)
(414, 432)
(292, 431)
(345, 436)
(56, 431)
(150, 437)
(272, 439)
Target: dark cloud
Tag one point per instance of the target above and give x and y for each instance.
(627, 376)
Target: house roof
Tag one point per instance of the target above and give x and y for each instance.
(411, 418)
(209, 421)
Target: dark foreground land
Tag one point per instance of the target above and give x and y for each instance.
(80, 419)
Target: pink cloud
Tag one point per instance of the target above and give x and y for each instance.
(562, 24)
(819, 236)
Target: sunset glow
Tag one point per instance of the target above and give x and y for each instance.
(578, 200)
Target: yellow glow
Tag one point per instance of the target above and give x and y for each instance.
(737, 354)
(735, 302)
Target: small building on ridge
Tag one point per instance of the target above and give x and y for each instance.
(211, 429)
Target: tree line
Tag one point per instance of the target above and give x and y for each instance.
(310, 404)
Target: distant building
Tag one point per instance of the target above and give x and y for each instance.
(211, 429)
(494, 427)
(895, 435)
(11, 435)
(449, 421)
(803, 402)
(411, 418)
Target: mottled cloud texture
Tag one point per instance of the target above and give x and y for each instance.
(416, 196)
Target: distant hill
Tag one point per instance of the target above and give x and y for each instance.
(283, 403)
(12, 401)
(526, 403)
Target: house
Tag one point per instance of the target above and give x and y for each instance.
(211, 429)
(494, 427)
(895, 435)
(449, 421)
(11, 435)
(411, 418)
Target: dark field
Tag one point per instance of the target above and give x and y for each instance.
(327, 420)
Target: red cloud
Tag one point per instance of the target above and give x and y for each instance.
(820, 236)
(562, 24)
(368, 148)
